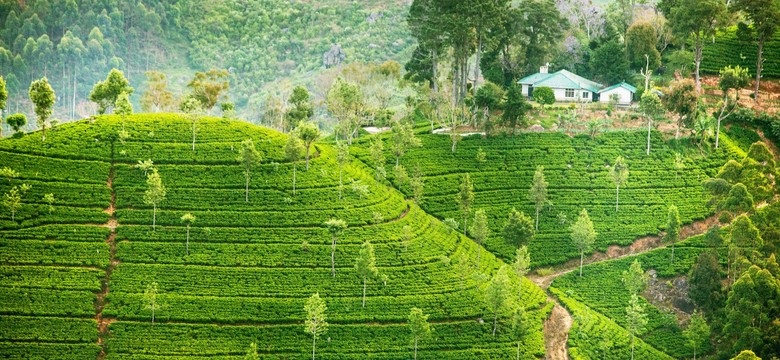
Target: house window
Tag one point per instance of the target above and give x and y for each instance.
(585, 94)
(569, 93)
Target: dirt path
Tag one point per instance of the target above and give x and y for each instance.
(639, 246)
(100, 303)
(556, 333)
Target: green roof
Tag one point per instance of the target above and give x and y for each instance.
(562, 79)
(623, 85)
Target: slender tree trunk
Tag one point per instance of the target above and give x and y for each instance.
(617, 197)
(13, 215)
(672, 251)
(479, 251)
(759, 66)
(435, 72)
(694, 353)
(396, 160)
(677, 131)
(415, 348)
(154, 218)
(294, 168)
(340, 181)
(313, 346)
(153, 306)
(649, 127)
(518, 351)
(188, 239)
(697, 62)
(73, 112)
(246, 187)
(632, 346)
(364, 292)
(476, 63)
(495, 322)
(537, 218)
(720, 117)
(333, 257)
(582, 255)
(307, 157)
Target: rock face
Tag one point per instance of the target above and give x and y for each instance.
(333, 57)
(536, 128)
(670, 295)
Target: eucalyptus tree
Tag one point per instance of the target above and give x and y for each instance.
(155, 193)
(316, 322)
(249, 158)
(583, 235)
(538, 192)
(188, 219)
(419, 326)
(365, 265)
(42, 97)
(335, 228)
(619, 175)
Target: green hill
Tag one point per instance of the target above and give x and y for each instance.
(728, 49)
(73, 276)
(577, 172)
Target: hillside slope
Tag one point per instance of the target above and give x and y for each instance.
(577, 172)
(74, 278)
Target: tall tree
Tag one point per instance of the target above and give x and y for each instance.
(346, 102)
(518, 228)
(538, 192)
(750, 311)
(208, 87)
(419, 326)
(515, 108)
(673, 227)
(521, 266)
(293, 150)
(634, 278)
(342, 156)
(745, 238)
(651, 107)
(155, 193)
(188, 219)
(192, 107)
(698, 19)
(106, 92)
(583, 235)
(705, 283)
(682, 99)
(378, 157)
(365, 265)
(72, 51)
(403, 139)
(13, 199)
(479, 230)
(608, 63)
(697, 332)
(466, 198)
(497, 294)
(150, 298)
(156, 97)
(519, 327)
(3, 100)
(316, 322)
(425, 25)
(308, 133)
(483, 15)
(300, 108)
(730, 78)
(16, 121)
(335, 228)
(641, 46)
(249, 158)
(765, 17)
(619, 175)
(42, 97)
(636, 320)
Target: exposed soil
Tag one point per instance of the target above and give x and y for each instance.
(639, 246)
(556, 333)
(100, 303)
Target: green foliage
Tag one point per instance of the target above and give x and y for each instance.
(518, 228)
(544, 96)
(515, 108)
(697, 332)
(301, 109)
(682, 99)
(497, 294)
(583, 235)
(365, 265)
(641, 46)
(729, 49)
(106, 93)
(209, 87)
(419, 326)
(673, 224)
(634, 278)
(608, 63)
(123, 106)
(42, 97)
(705, 283)
(16, 121)
(308, 133)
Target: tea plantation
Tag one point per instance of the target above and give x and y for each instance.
(75, 269)
(577, 172)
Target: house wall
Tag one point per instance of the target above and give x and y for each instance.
(625, 96)
(560, 95)
(525, 90)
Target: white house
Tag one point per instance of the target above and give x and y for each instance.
(622, 92)
(566, 85)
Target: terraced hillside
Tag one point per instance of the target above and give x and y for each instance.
(577, 172)
(74, 273)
